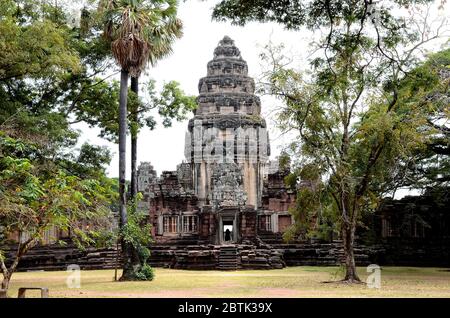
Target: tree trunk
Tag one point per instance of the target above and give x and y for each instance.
(126, 248)
(7, 272)
(134, 255)
(6, 280)
(135, 89)
(348, 238)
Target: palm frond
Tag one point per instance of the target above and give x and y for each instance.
(140, 31)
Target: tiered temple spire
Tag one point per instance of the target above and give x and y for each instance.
(227, 88)
(227, 130)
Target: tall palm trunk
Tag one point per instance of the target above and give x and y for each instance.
(134, 137)
(135, 258)
(126, 252)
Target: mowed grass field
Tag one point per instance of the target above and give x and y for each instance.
(288, 282)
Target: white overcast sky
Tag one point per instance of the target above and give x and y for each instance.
(164, 147)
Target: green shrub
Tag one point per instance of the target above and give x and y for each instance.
(145, 273)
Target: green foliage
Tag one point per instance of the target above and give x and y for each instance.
(361, 114)
(35, 197)
(38, 194)
(155, 27)
(289, 13)
(173, 104)
(314, 213)
(284, 161)
(427, 87)
(89, 162)
(39, 49)
(169, 104)
(294, 14)
(146, 273)
(48, 70)
(94, 157)
(137, 232)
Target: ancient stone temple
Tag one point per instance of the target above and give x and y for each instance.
(226, 192)
(226, 206)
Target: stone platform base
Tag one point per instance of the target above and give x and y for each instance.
(55, 258)
(255, 257)
(195, 257)
(261, 255)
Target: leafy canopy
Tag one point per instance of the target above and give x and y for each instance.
(38, 194)
(356, 118)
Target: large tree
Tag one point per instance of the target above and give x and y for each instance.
(160, 35)
(45, 65)
(38, 193)
(354, 126)
(128, 26)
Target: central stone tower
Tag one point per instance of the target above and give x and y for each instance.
(227, 143)
(227, 192)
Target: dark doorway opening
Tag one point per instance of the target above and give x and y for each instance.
(228, 232)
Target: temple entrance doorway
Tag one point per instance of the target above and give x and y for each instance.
(228, 232)
(228, 227)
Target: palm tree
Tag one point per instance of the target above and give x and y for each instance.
(163, 34)
(127, 26)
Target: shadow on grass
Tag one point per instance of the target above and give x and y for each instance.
(343, 281)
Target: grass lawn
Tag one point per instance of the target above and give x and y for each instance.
(289, 282)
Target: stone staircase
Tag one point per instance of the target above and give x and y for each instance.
(229, 258)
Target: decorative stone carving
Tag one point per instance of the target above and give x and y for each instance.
(184, 176)
(227, 121)
(227, 186)
(204, 88)
(146, 175)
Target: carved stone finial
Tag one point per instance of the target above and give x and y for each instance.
(227, 49)
(226, 41)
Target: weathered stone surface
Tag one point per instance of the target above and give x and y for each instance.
(227, 188)
(55, 257)
(227, 149)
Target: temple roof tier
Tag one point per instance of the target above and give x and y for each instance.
(227, 88)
